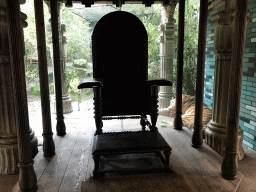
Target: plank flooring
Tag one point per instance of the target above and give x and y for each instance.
(194, 169)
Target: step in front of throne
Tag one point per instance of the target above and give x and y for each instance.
(129, 142)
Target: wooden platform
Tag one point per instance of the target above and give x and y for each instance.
(70, 169)
(129, 143)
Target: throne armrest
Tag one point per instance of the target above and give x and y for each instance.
(158, 82)
(90, 83)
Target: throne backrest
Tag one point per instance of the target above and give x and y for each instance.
(120, 58)
(120, 48)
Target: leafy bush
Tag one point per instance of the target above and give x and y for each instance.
(51, 88)
(78, 35)
(32, 73)
(74, 75)
(35, 89)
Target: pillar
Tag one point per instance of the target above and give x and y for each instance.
(66, 100)
(8, 124)
(54, 9)
(178, 120)
(27, 176)
(197, 138)
(167, 48)
(223, 24)
(229, 165)
(48, 143)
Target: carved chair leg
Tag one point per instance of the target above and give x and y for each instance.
(98, 109)
(167, 158)
(142, 122)
(153, 118)
(96, 173)
(154, 106)
(99, 125)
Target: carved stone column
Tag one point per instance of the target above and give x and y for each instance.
(223, 23)
(8, 127)
(167, 47)
(66, 100)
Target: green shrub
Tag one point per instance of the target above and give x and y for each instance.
(35, 89)
(32, 73)
(51, 88)
(80, 63)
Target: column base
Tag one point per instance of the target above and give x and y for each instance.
(34, 143)
(9, 154)
(217, 141)
(164, 99)
(67, 104)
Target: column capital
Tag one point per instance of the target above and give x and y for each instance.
(168, 13)
(224, 12)
(223, 23)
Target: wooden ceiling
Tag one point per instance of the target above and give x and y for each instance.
(118, 3)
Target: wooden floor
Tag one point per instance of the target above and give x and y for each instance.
(194, 169)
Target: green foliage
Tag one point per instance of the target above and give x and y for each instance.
(51, 88)
(151, 23)
(31, 73)
(50, 77)
(30, 38)
(79, 51)
(35, 89)
(153, 49)
(78, 36)
(74, 75)
(80, 63)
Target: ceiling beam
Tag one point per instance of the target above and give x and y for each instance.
(89, 3)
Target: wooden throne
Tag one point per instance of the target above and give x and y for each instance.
(122, 90)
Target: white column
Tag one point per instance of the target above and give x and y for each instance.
(167, 47)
